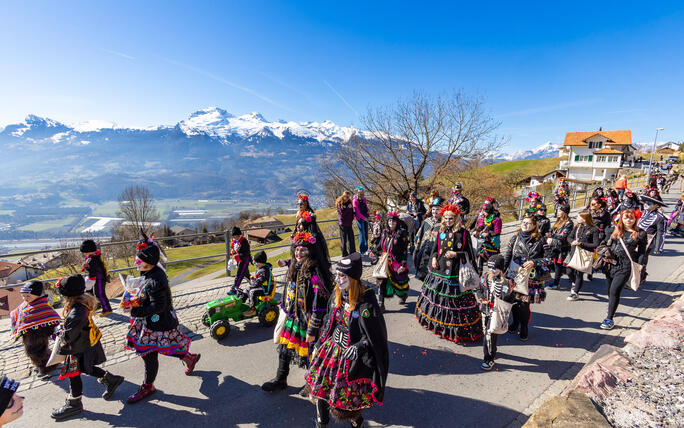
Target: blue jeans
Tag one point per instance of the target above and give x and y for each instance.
(363, 235)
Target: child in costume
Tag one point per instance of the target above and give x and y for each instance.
(394, 241)
(261, 284)
(34, 321)
(97, 272)
(239, 249)
(349, 364)
(80, 342)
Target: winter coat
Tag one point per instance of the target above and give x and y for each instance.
(76, 331)
(156, 305)
(345, 214)
(588, 237)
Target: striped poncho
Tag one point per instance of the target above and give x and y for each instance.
(33, 315)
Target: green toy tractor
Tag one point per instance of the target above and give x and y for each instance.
(219, 311)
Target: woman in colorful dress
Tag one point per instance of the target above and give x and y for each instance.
(376, 229)
(305, 299)
(394, 241)
(350, 361)
(488, 232)
(154, 324)
(80, 342)
(525, 251)
(425, 239)
(442, 307)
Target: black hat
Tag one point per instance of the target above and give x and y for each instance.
(496, 262)
(71, 286)
(565, 208)
(351, 266)
(236, 231)
(260, 257)
(33, 287)
(149, 253)
(8, 387)
(414, 194)
(654, 201)
(88, 246)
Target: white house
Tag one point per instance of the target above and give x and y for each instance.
(12, 273)
(597, 155)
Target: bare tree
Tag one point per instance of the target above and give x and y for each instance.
(405, 147)
(138, 209)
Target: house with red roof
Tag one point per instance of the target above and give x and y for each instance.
(597, 155)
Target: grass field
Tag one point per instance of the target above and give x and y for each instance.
(42, 226)
(525, 167)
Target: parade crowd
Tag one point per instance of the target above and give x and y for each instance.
(331, 320)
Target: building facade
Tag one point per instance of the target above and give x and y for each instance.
(597, 155)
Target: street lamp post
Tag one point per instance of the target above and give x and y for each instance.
(650, 163)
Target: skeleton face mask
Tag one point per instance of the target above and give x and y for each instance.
(342, 281)
(301, 253)
(435, 212)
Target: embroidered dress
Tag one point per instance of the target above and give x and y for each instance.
(442, 307)
(143, 340)
(396, 244)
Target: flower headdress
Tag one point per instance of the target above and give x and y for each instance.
(305, 215)
(394, 214)
(532, 196)
(378, 213)
(488, 200)
(304, 238)
(449, 208)
(302, 197)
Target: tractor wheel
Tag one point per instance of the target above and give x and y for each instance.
(268, 316)
(205, 319)
(220, 329)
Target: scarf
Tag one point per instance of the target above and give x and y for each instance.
(32, 316)
(525, 236)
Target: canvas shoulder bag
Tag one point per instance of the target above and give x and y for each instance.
(635, 276)
(581, 260)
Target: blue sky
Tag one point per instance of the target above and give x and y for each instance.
(544, 68)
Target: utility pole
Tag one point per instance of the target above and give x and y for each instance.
(650, 163)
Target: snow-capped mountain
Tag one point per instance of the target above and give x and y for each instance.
(546, 150)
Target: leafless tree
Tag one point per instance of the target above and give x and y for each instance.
(138, 209)
(405, 147)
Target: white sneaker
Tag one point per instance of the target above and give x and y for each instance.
(487, 365)
(573, 297)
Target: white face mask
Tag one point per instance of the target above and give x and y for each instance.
(435, 212)
(301, 253)
(342, 281)
(648, 206)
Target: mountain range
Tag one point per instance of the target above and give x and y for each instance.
(210, 155)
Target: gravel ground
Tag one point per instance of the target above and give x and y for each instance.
(654, 397)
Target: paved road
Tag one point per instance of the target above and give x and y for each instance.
(432, 382)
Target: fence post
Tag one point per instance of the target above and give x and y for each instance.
(574, 198)
(586, 195)
(520, 208)
(226, 237)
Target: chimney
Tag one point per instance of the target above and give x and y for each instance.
(600, 128)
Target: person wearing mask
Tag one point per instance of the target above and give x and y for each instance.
(242, 254)
(154, 324)
(350, 361)
(11, 404)
(443, 307)
(361, 213)
(97, 272)
(653, 222)
(34, 321)
(487, 231)
(629, 202)
(79, 340)
(394, 241)
(525, 251)
(493, 285)
(345, 219)
(425, 239)
(625, 236)
(416, 209)
(459, 200)
(612, 200)
(304, 302)
(558, 243)
(375, 233)
(586, 236)
(543, 222)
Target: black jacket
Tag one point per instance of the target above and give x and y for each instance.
(155, 303)
(559, 239)
(543, 225)
(96, 269)
(588, 237)
(368, 332)
(417, 209)
(76, 332)
(602, 221)
(243, 252)
(521, 252)
(636, 248)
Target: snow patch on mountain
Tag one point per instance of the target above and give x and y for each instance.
(546, 150)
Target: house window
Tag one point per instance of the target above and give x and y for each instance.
(577, 158)
(591, 145)
(598, 144)
(590, 158)
(600, 159)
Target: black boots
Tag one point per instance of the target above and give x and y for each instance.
(72, 407)
(280, 381)
(322, 414)
(110, 382)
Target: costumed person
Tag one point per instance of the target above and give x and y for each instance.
(425, 239)
(305, 299)
(97, 272)
(612, 200)
(599, 194)
(34, 321)
(600, 216)
(345, 219)
(261, 284)
(494, 285)
(558, 243)
(11, 404)
(362, 214)
(375, 233)
(443, 307)
(394, 241)
(630, 201)
(619, 267)
(653, 222)
(660, 181)
(533, 199)
(416, 209)
(80, 342)
(525, 251)
(459, 201)
(543, 222)
(241, 253)
(676, 221)
(306, 223)
(654, 193)
(584, 235)
(350, 361)
(154, 324)
(487, 231)
(560, 194)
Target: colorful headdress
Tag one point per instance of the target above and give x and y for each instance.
(394, 214)
(457, 187)
(532, 196)
(306, 215)
(378, 213)
(489, 201)
(304, 238)
(436, 202)
(449, 208)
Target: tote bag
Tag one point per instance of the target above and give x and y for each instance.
(635, 276)
(55, 356)
(581, 260)
(380, 269)
(282, 317)
(468, 278)
(500, 313)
